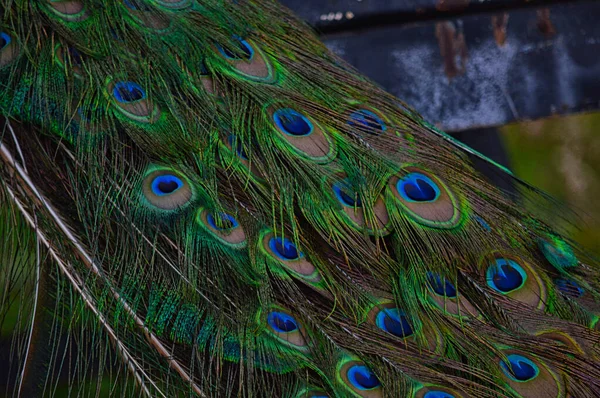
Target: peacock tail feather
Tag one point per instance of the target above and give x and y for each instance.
(210, 203)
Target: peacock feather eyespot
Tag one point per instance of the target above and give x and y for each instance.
(311, 393)
(505, 276)
(9, 48)
(166, 184)
(132, 101)
(441, 286)
(166, 189)
(437, 394)
(353, 207)
(557, 252)
(445, 296)
(569, 288)
(222, 222)
(345, 195)
(281, 322)
(287, 255)
(128, 92)
(519, 368)
(292, 122)
(515, 278)
(284, 249)
(359, 378)
(394, 321)
(362, 378)
(4, 40)
(483, 224)
(71, 11)
(435, 391)
(247, 60)
(367, 121)
(300, 133)
(286, 328)
(529, 376)
(417, 187)
(136, 5)
(425, 198)
(222, 226)
(243, 51)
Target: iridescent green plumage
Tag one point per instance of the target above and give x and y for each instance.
(238, 212)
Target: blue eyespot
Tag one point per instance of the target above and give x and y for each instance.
(519, 368)
(282, 322)
(393, 321)
(417, 187)
(437, 394)
(505, 276)
(483, 224)
(368, 121)
(128, 92)
(4, 40)
(227, 222)
(440, 288)
(245, 49)
(136, 5)
(362, 378)
(569, 288)
(292, 122)
(236, 145)
(166, 184)
(345, 195)
(284, 249)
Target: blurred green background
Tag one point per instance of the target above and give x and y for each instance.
(561, 156)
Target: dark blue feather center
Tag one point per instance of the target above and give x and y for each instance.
(282, 322)
(346, 195)
(437, 394)
(127, 92)
(394, 321)
(244, 50)
(166, 184)
(367, 121)
(441, 288)
(362, 378)
(519, 368)
(292, 122)
(417, 187)
(4, 40)
(284, 248)
(569, 288)
(226, 223)
(483, 224)
(136, 5)
(506, 276)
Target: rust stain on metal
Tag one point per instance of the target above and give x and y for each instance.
(453, 48)
(451, 5)
(499, 24)
(544, 23)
